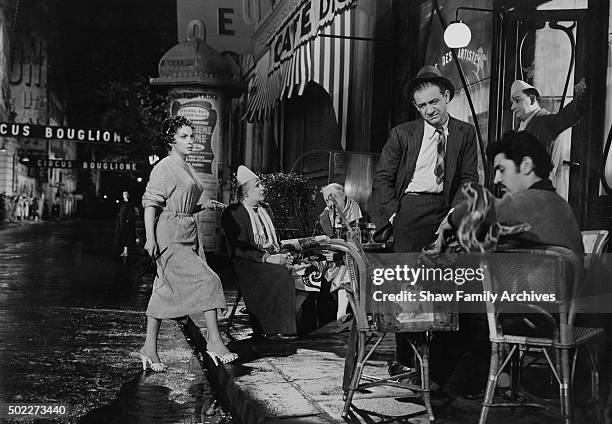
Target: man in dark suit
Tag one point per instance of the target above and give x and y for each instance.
(421, 168)
(546, 126)
(423, 164)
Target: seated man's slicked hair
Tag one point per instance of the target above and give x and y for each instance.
(516, 145)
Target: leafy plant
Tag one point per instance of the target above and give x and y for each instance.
(292, 199)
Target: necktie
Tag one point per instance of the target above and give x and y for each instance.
(439, 170)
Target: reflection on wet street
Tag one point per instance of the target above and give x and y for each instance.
(70, 313)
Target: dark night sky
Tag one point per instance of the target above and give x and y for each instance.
(92, 42)
(105, 40)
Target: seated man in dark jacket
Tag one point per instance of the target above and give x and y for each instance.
(522, 167)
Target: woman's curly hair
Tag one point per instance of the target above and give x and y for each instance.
(170, 127)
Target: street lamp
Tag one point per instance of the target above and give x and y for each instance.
(457, 34)
(153, 159)
(3, 149)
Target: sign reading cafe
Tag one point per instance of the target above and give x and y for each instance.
(303, 25)
(91, 135)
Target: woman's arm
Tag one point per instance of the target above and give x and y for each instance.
(149, 220)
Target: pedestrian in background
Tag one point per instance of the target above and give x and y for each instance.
(34, 209)
(18, 207)
(2, 208)
(126, 224)
(184, 283)
(55, 209)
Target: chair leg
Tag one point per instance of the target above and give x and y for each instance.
(350, 359)
(230, 319)
(361, 349)
(592, 357)
(491, 383)
(515, 375)
(565, 391)
(425, 385)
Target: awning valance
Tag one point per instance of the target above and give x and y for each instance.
(322, 59)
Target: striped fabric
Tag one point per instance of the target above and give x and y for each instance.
(322, 59)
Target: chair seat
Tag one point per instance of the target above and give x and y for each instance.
(581, 335)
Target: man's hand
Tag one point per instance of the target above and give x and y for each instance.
(581, 90)
(280, 259)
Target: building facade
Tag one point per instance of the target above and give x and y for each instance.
(32, 98)
(326, 79)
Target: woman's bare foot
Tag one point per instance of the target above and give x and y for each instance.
(217, 347)
(151, 354)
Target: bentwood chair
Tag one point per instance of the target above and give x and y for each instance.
(595, 243)
(375, 319)
(553, 271)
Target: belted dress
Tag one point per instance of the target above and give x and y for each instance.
(184, 283)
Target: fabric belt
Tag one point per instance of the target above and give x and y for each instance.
(422, 193)
(169, 212)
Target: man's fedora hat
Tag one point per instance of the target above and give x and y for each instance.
(429, 73)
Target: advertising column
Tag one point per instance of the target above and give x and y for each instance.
(204, 108)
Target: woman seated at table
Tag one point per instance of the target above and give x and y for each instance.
(265, 278)
(332, 225)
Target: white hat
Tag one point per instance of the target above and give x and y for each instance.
(518, 87)
(244, 175)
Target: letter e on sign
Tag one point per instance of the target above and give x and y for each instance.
(225, 20)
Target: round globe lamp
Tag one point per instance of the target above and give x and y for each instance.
(457, 35)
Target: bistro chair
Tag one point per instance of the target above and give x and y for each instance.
(595, 243)
(374, 320)
(232, 314)
(549, 270)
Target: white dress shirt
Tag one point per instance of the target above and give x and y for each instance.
(424, 179)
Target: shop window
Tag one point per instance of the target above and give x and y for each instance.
(564, 4)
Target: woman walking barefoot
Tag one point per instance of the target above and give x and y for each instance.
(184, 284)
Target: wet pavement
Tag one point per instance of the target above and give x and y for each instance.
(70, 314)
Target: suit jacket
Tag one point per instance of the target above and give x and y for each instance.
(546, 126)
(398, 162)
(237, 227)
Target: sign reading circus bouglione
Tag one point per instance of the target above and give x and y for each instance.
(90, 135)
(91, 165)
(302, 25)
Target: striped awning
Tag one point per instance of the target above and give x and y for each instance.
(322, 59)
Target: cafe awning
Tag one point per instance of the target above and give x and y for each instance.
(323, 59)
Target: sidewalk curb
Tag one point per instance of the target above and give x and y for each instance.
(247, 410)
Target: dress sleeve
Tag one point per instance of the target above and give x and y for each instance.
(158, 189)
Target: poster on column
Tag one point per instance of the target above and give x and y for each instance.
(203, 108)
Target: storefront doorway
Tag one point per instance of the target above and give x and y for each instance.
(549, 49)
(311, 132)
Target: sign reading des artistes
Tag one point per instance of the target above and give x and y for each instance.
(474, 63)
(90, 135)
(302, 25)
